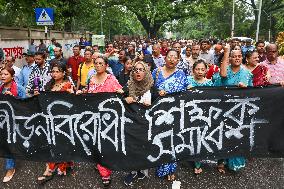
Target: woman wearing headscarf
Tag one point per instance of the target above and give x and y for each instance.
(138, 90)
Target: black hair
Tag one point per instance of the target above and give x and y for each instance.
(62, 68)
(104, 59)
(40, 53)
(89, 51)
(200, 61)
(77, 46)
(260, 41)
(170, 51)
(249, 53)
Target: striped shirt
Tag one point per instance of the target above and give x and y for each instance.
(39, 77)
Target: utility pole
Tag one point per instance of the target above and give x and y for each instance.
(233, 20)
(258, 20)
(102, 32)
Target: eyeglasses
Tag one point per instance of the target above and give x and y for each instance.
(271, 51)
(99, 63)
(136, 70)
(172, 56)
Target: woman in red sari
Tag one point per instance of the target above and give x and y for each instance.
(260, 72)
(101, 82)
(59, 82)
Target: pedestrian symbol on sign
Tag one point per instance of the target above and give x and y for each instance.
(44, 16)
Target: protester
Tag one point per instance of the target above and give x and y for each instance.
(74, 62)
(51, 48)
(260, 47)
(118, 64)
(148, 59)
(125, 73)
(58, 56)
(218, 54)
(247, 47)
(139, 56)
(32, 46)
(99, 83)
(41, 47)
(84, 69)
(138, 90)
(39, 76)
(187, 60)
(195, 52)
(60, 83)
(144, 49)
(157, 57)
(82, 43)
(10, 61)
(10, 87)
(260, 72)
(95, 48)
(205, 53)
(164, 48)
(237, 48)
(168, 79)
(183, 66)
(198, 79)
(27, 69)
(131, 51)
(232, 73)
(274, 64)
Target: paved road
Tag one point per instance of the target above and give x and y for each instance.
(259, 174)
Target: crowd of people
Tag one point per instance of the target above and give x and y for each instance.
(142, 70)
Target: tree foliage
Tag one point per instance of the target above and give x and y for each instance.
(187, 18)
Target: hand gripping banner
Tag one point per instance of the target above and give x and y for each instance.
(207, 123)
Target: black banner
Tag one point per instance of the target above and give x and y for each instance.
(203, 123)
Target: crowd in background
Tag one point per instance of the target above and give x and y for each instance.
(141, 70)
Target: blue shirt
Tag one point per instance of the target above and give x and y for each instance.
(115, 65)
(25, 74)
(176, 82)
(233, 79)
(193, 83)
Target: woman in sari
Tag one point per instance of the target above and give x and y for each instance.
(10, 87)
(101, 82)
(260, 72)
(168, 79)
(59, 82)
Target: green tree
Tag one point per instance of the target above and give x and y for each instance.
(152, 14)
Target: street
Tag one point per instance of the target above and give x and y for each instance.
(259, 174)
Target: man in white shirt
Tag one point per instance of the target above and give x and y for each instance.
(205, 53)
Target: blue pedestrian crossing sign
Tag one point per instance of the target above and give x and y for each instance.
(44, 16)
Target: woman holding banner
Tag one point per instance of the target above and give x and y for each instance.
(168, 79)
(101, 82)
(232, 73)
(10, 87)
(59, 82)
(138, 90)
(198, 79)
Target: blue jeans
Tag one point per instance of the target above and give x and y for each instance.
(10, 164)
